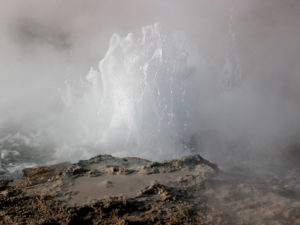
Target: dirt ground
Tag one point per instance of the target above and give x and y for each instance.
(110, 190)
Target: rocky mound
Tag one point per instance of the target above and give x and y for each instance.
(109, 190)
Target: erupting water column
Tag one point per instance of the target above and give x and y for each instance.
(135, 103)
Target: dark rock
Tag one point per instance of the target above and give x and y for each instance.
(26, 171)
(4, 184)
(76, 170)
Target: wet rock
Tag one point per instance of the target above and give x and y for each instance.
(100, 158)
(26, 171)
(10, 193)
(94, 173)
(37, 176)
(112, 170)
(4, 184)
(166, 193)
(76, 170)
(148, 170)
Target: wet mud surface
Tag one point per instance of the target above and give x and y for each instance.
(109, 190)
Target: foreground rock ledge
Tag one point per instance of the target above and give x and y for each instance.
(109, 190)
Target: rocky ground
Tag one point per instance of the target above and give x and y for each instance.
(109, 190)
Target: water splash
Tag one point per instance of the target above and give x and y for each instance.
(134, 104)
(18, 151)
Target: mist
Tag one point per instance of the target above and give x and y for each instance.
(238, 72)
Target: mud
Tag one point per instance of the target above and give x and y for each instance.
(109, 190)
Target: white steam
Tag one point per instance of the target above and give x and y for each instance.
(135, 103)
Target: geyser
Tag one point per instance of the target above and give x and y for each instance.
(135, 104)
